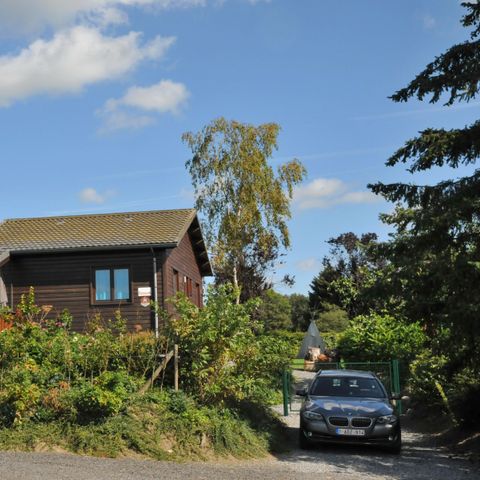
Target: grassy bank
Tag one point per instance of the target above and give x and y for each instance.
(162, 425)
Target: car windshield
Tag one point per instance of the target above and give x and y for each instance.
(346, 387)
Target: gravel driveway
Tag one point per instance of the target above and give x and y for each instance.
(419, 460)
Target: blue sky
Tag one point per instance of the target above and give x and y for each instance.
(95, 94)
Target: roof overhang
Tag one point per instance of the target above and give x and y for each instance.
(42, 251)
(199, 248)
(4, 257)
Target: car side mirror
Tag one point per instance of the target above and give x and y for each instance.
(302, 392)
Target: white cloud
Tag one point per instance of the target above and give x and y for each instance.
(30, 16)
(118, 120)
(327, 192)
(126, 112)
(308, 264)
(71, 60)
(25, 16)
(90, 195)
(164, 96)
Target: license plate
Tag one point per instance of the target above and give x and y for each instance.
(350, 431)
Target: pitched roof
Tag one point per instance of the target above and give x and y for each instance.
(158, 228)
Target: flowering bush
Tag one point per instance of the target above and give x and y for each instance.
(48, 372)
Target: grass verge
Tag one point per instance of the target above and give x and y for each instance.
(162, 426)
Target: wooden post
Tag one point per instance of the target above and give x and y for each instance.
(157, 372)
(175, 366)
(286, 392)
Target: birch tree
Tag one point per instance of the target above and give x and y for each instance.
(245, 203)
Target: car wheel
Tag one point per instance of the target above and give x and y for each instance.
(396, 446)
(303, 441)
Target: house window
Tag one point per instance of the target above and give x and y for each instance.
(188, 286)
(176, 282)
(111, 285)
(199, 294)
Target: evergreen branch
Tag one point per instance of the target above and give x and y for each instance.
(457, 71)
(440, 147)
(430, 195)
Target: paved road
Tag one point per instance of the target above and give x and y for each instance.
(333, 463)
(419, 460)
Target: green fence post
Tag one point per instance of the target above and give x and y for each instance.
(286, 392)
(396, 382)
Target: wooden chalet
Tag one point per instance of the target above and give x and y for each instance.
(102, 263)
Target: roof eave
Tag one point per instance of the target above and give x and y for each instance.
(4, 257)
(200, 249)
(143, 246)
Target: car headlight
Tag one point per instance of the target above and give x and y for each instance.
(309, 415)
(387, 419)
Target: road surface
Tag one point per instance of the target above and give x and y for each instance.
(419, 460)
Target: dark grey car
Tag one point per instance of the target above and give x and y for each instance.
(348, 406)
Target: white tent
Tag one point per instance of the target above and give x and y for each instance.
(311, 339)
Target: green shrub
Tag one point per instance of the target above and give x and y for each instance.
(381, 337)
(139, 352)
(104, 396)
(463, 392)
(293, 339)
(330, 339)
(78, 390)
(425, 371)
(332, 318)
(19, 394)
(222, 357)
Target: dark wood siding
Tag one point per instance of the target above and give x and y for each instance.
(183, 260)
(64, 281)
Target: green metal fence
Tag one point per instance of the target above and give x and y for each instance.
(388, 372)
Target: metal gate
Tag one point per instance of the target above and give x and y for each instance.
(388, 372)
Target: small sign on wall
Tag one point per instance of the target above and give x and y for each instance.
(144, 294)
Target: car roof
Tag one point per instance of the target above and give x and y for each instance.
(345, 373)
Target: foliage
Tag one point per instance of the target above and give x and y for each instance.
(332, 319)
(48, 372)
(79, 391)
(103, 397)
(245, 203)
(163, 425)
(223, 359)
(292, 339)
(426, 370)
(331, 339)
(300, 312)
(347, 274)
(463, 393)
(275, 311)
(461, 390)
(381, 338)
(434, 252)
